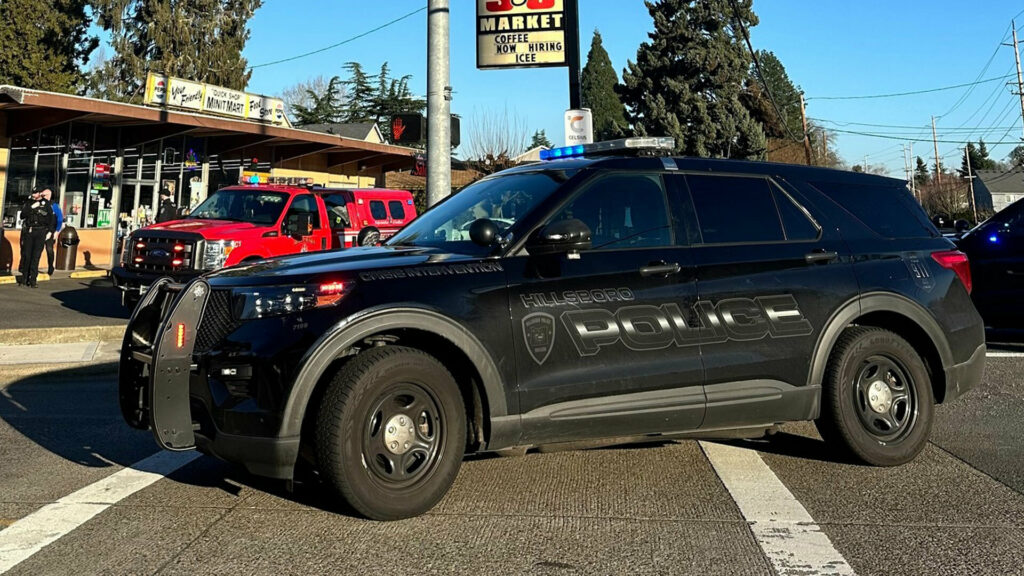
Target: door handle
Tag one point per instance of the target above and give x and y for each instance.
(660, 269)
(821, 256)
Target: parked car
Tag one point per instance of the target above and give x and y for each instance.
(244, 223)
(996, 252)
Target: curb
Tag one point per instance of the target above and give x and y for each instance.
(90, 274)
(62, 335)
(22, 371)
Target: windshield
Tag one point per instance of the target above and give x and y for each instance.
(503, 199)
(242, 204)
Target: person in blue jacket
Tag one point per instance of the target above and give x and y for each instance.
(47, 194)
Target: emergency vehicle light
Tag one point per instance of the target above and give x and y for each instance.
(621, 146)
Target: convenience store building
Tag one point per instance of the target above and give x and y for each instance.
(107, 161)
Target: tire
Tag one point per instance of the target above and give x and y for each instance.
(365, 453)
(877, 402)
(877, 399)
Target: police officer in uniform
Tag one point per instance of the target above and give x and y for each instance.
(38, 225)
(167, 211)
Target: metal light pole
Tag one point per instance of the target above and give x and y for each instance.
(439, 96)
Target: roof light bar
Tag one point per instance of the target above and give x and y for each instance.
(648, 145)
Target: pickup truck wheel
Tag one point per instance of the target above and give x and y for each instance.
(391, 432)
(877, 402)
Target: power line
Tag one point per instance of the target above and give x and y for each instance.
(757, 67)
(913, 93)
(904, 139)
(346, 41)
(913, 129)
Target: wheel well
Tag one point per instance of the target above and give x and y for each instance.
(451, 357)
(918, 338)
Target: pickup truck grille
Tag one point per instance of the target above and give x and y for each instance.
(161, 254)
(217, 322)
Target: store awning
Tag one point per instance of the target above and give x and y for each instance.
(23, 111)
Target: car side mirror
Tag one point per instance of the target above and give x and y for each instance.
(560, 237)
(483, 232)
(297, 225)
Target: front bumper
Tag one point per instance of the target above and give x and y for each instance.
(157, 362)
(962, 377)
(131, 281)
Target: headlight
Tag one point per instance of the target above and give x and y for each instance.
(216, 253)
(270, 301)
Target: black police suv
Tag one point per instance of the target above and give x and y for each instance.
(592, 296)
(996, 251)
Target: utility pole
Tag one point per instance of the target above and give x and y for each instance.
(572, 52)
(970, 180)
(938, 167)
(807, 138)
(1020, 80)
(439, 96)
(906, 164)
(824, 146)
(913, 176)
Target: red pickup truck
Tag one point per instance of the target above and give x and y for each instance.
(245, 223)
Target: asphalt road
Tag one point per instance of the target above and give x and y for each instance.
(656, 509)
(62, 303)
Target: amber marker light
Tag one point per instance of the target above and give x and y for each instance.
(180, 336)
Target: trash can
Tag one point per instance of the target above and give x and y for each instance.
(67, 248)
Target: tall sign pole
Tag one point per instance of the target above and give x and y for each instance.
(439, 96)
(572, 52)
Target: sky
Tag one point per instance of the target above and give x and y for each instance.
(830, 48)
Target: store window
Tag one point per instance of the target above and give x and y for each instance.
(20, 177)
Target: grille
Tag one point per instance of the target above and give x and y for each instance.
(158, 254)
(217, 322)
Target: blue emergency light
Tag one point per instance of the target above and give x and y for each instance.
(621, 146)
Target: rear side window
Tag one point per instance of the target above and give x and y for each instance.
(377, 210)
(732, 209)
(795, 220)
(337, 211)
(887, 210)
(396, 209)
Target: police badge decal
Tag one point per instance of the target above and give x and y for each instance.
(539, 333)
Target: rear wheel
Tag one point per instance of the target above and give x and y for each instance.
(391, 432)
(877, 402)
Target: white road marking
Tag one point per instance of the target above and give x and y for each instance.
(783, 528)
(22, 539)
(1005, 354)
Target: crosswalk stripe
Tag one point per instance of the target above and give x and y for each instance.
(23, 538)
(783, 528)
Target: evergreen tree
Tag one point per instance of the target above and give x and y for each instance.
(687, 79)
(1016, 157)
(199, 40)
(44, 44)
(539, 139)
(597, 88)
(393, 97)
(786, 94)
(921, 173)
(359, 89)
(322, 108)
(979, 159)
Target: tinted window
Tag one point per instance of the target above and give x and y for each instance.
(337, 211)
(377, 210)
(396, 209)
(623, 211)
(306, 204)
(794, 219)
(888, 210)
(731, 209)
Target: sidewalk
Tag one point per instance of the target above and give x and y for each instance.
(85, 358)
(79, 273)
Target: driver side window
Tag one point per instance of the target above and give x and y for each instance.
(305, 204)
(623, 211)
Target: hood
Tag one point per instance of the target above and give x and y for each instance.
(316, 266)
(209, 228)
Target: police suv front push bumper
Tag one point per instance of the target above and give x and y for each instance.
(158, 364)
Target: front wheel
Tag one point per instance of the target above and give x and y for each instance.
(877, 402)
(391, 432)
